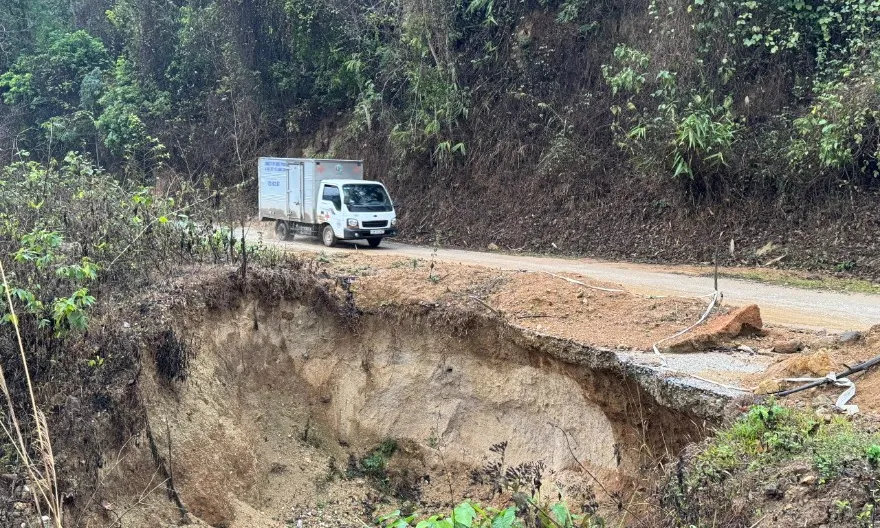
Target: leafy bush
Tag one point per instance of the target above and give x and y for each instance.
(703, 138)
(373, 464)
(49, 79)
(72, 229)
(873, 454)
(691, 135)
(472, 515)
(628, 72)
(756, 446)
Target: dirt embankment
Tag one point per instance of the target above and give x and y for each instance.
(262, 397)
(343, 387)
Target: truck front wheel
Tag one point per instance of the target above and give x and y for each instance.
(327, 236)
(282, 230)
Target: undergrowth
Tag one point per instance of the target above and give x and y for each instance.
(761, 446)
(373, 465)
(526, 505)
(472, 515)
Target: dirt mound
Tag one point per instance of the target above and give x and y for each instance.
(815, 365)
(739, 322)
(872, 336)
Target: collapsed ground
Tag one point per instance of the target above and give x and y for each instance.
(617, 320)
(266, 400)
(389, 382)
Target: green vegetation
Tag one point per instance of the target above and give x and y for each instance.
(472, 515)
(766, 442)
(71, 228)
(782, 95)
(374, 464)
(771, 433)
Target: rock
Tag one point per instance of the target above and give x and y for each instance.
(492, 247)
(772, 491)
(800, 468)
(849, 337)
(787, 347)
(742, 321)
(825, 414)
(822, 401)
(808, 480)
(816, 365)
(872, 336)
(768, 386)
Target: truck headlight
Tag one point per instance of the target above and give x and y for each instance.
(352, 222)
(393, 222)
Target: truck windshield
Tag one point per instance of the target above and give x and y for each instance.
(366, 197)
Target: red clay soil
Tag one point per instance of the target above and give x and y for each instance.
(740, 322)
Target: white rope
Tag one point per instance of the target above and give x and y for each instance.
(584, 284)
(732, 387)
(842, 402)
(664, 365)
(614, 290)
(715, 296)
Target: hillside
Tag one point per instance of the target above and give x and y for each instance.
(163, 364)
(637, 130)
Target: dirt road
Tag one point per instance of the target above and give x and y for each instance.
(780, 305)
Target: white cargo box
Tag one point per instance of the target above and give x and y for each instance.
(289, 186)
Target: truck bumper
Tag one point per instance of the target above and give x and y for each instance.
(359, 234)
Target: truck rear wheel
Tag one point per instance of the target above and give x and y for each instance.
(327, 236)
(374, 242)
(282, 230)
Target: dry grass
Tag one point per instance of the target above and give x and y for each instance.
(41, 472)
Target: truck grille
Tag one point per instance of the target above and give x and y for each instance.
(375, 223)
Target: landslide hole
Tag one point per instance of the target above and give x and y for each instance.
(293, 414)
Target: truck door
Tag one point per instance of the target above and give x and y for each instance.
(330, 207)
(295, 196)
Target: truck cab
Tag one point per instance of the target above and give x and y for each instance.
(355, 210)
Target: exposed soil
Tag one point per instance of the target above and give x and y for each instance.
(260, 397)
(585, 313)
(257, 401)
(790, 306)
(655, 225)
(820, 357)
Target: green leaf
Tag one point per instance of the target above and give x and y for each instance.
(464, 515)
(560, 511)
(505, 519)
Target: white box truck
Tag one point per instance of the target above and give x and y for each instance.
(325, 198)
